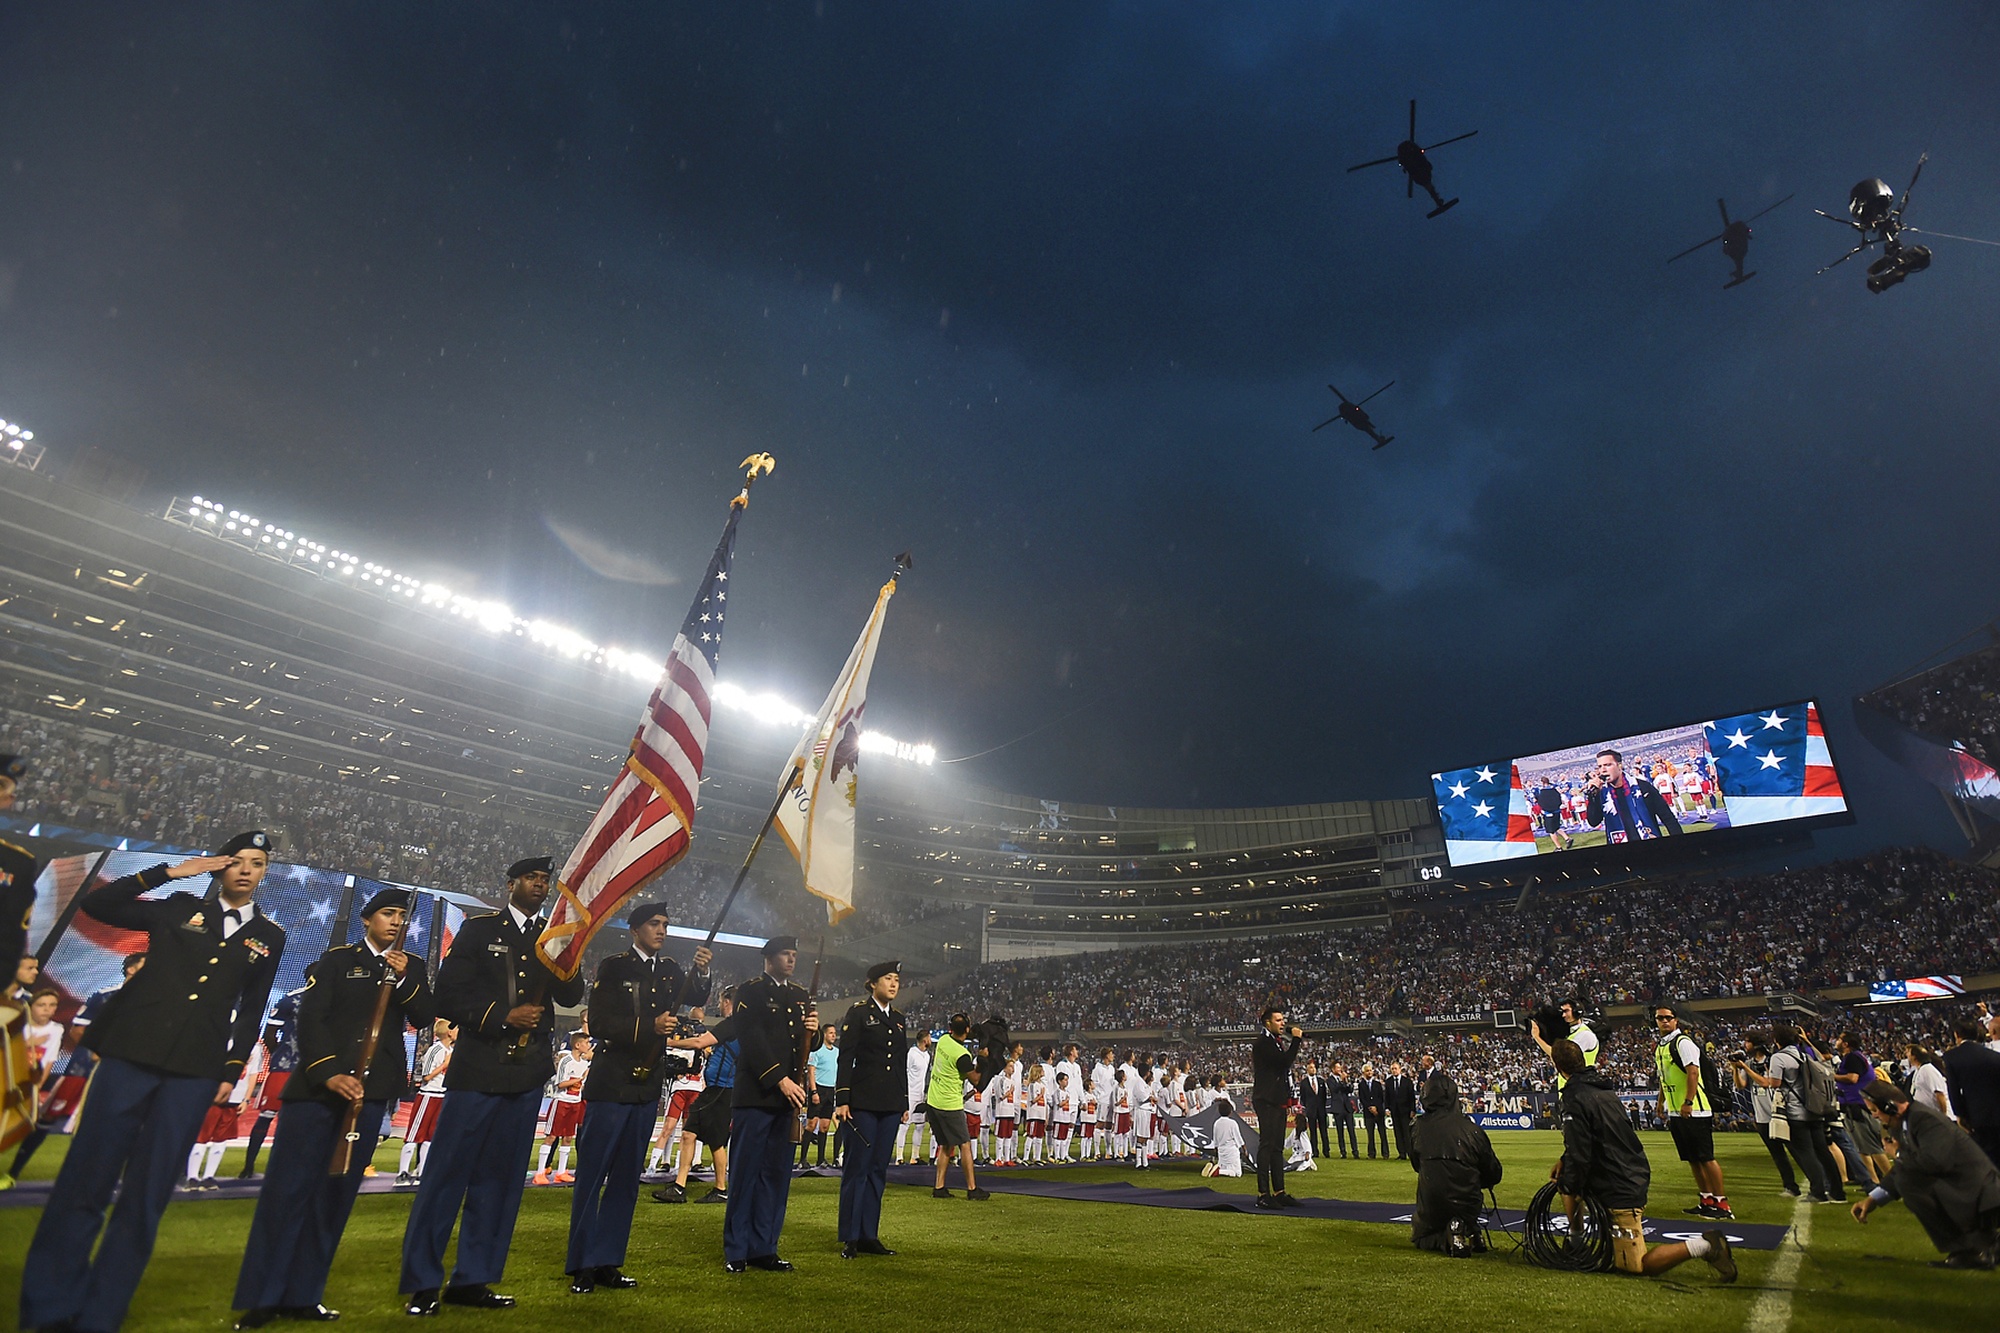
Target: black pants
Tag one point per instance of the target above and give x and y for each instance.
(1777, 1151)
(1270, 1146)
(1343, 1133)
(1316, 1135)
(1402, 1126)
(1376, 1126)
(1815, 1159)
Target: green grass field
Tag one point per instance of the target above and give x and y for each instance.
(1595, 837)
(1104, 1266)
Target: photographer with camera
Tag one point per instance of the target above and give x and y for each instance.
(1546, 1030)
(1628, 808)
(1270, 1097)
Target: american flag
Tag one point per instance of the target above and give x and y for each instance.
(1485, 813)
(1915, 988)
(1774, 765)
(648, 816)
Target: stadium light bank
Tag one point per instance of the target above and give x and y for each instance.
(276, 542)
(18, 446)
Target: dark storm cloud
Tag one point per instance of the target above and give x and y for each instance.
(1051, 294)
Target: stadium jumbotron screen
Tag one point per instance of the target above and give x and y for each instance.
(1754, 768)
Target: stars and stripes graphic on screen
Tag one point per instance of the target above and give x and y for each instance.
(647, 818)
(1774, 765)
(1915, 988)
(1484, 813)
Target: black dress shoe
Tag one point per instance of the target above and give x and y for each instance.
(479, 1296)
(1286, 1199)
(583, 1281)
(735, 1266)
(312, 1314)
(257, 1318)
(771, 1263)
(422, 1302)
(849, 1249)
(610, 1275)
(875, 1247)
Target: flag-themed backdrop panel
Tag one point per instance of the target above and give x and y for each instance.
(89, 956)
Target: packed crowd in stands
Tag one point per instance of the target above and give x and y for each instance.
(1957, 701)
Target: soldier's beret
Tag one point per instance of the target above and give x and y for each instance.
(255, 841)
(12, 766)
(645, 912)
(880, 970)
(528, 865)
(779, 943)
(387, 898)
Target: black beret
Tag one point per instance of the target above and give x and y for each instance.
(12, 765)
(386, 898)
(255, 841)
(645, 912)
(880, 970)
(528, 865)
(780, 943)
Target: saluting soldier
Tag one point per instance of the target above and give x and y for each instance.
(495, 986)
(301, 1209)
(870, 1100)
(772, 1017)
(18, 872)
(170, 1044)
(631, 1017)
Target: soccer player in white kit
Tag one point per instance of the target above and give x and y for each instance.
(918, 1066)
(1065, 1111)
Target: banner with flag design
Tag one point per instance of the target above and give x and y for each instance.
(1774, 765)
(1915, 988)
(817, 819)
(647, 819)
(1484, 813)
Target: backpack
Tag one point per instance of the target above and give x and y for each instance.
(1711, 1083)
(1816, 1085)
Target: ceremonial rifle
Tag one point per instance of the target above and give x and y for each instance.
(803, 1074)
(343, 1145)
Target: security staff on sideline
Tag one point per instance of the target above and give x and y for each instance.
(301, 1210)
(773, 1016)
(631, 1016)
(496, 988)
(18, 872)
(170, 1044)
(870, 1099)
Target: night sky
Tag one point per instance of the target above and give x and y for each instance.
(1050, 294)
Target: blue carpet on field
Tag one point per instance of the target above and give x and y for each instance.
(1748, 1235)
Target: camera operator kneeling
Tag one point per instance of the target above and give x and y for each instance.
(1602, 1160)
(1455, 1165)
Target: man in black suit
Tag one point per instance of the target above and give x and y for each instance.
(170, 1043)
(1400, 1096)
(1312, 1109)
(1340, 1105)
(633, 1008)
(1271, 1097)
(495, 985)
(1373, 1106)
(1972, 1078)
(301, 1209)
(870, 1097)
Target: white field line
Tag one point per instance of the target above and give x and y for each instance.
(1773, 1311)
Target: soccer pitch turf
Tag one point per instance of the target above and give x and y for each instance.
(1108, 1266)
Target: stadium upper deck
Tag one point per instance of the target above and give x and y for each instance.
(134, 626)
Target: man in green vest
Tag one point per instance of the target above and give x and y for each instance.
(951, 1065)
(1578, 1031)
(1690, 1119)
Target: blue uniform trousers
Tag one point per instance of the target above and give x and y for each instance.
(478, 1162)
(864, 1172)
(610, 1153)
(760, 1181)
(301, 1210)
(137, 1128)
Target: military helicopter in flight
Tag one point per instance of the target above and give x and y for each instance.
(1735, 237)
(1874, 211)
(1351, 413)
(1416, 167)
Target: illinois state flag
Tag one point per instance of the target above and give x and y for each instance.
(1484, 813)
(1774, 765)
(648, 816)
(823, 776)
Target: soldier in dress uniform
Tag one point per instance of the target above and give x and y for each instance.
(302, 1210)
(170, 1044)
(631, 1017)
(496, 988)
(870, 1100)
(18, 872)
(772, 1017)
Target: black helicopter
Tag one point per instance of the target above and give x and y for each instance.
(1735, 237)
(1351, 413)
(1874, 210)
(1416, 167)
